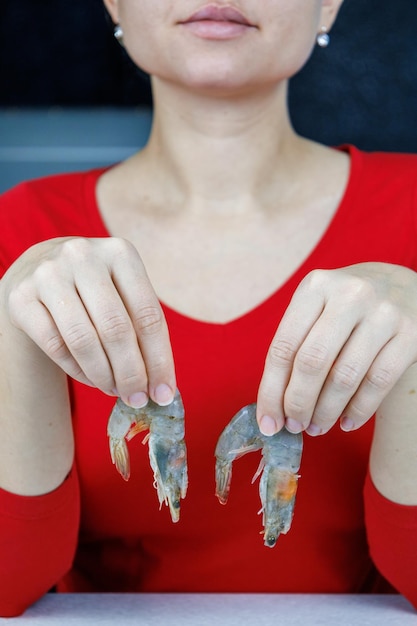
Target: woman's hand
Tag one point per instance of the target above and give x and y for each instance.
(89, 305)
(345, 340)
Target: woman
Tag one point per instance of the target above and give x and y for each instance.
(286, 273)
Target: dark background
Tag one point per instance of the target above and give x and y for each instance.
(362, 89)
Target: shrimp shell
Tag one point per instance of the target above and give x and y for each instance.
(281, 458)
(167, 450)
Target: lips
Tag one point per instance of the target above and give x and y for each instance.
(214, 13)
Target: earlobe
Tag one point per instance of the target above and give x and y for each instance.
(112, 8)
(333, 5)
(330, 9)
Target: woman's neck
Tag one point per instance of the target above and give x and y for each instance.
(224, 202)
(212, 152)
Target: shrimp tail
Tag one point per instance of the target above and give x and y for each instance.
(239, 437)
(223, 480)
(120, 457)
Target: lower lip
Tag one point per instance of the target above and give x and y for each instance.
(210, 29)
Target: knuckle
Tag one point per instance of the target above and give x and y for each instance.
(80, 338)
(122, 248)
(388, 310)
(380, 378)
(101, 379)
(16, 304)
(324, 416)
(56, 348)
(122, 245)
(70, 366)
(98, 372)
(270, 397)
(358, 410)
(149, 320)
(281, 352)
(45, 273)
(315, 279)
(295, 406)
(270, 403)
(312, 359)
(158, 363)
(345, 377)
(76, 246)
(358, 290)
(115, 327)
(132, 381)
(76, 249)
(408, 331)
(293, 410)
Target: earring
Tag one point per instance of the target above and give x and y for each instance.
(323, 38)
(118, 33)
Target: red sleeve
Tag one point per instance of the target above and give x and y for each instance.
(57, 206)
(38, 537)
(392, 537)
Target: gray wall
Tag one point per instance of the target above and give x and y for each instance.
(60, 54)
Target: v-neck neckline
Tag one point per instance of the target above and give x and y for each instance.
(267, 306)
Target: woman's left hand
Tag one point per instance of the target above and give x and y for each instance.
(345, 340)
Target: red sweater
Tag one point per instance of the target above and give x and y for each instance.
(99, 533)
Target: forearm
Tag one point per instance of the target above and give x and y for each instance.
(36, 442)
(393, 461)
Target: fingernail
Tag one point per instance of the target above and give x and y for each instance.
(267, 426)
(347, 424)
(293, 426)
(163, 395)
(138, 400)
(314, 430)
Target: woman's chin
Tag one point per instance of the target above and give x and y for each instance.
(218, 79)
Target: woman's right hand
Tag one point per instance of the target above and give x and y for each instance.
(89, 306)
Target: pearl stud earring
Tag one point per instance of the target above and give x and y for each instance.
(118, 33)
(323, 38)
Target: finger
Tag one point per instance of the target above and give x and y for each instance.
(349, 369)
(116, 349)
(292, 331)
(40, 327)
(312, 365)
(149, 325)
(78, 332)
(388, 367)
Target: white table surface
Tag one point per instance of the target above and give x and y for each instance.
(218, 610)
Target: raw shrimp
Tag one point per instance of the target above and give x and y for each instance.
(281, 457)
(167, 451)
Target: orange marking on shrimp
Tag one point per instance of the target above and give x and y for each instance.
(287, 486)
(281, 458)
